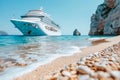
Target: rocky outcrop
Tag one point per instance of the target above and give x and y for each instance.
(106, 20)
(3, 33)
(76, 33)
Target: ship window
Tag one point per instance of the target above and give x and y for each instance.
(33, 25)
(41, 18)
(29, 24)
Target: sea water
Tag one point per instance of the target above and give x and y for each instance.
(37, 50)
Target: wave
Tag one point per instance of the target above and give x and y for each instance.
(94, 39)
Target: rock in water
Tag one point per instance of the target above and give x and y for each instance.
(76, 33)
(106, 20)
(3, 33)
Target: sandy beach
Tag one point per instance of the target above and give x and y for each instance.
(60, 63)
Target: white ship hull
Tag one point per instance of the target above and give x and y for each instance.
(35, 28)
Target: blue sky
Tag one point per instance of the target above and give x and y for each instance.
(69, 14)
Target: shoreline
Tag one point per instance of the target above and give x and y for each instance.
(59, 63)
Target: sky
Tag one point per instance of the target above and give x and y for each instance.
(69, 14)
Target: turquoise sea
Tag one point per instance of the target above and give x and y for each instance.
(37, 50)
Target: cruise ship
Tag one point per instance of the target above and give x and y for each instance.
(37, 23)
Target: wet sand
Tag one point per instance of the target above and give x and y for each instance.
(99, 41)
(60, 63)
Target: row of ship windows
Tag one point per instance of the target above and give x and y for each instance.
(47, 27)
(51, 28)
(43, 19)
(48, 21)
(34, 25)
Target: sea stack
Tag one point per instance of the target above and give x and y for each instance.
(106, 20)
(76, 33)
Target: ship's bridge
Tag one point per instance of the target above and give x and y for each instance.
(35, 13)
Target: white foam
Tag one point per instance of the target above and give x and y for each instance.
(74, 49)
(93, 39)
(11, 73)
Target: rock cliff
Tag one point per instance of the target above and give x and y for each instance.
(106, 20)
